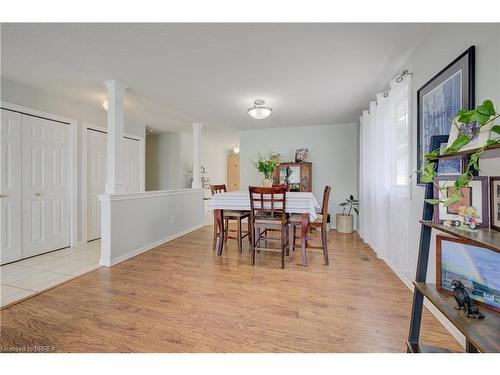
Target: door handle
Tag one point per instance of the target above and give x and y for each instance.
(3, 195)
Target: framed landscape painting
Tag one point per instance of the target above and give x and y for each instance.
(478, 268)
(439, 100)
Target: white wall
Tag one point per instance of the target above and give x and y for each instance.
(137, 222)
(37, 98)
(333, 150)
(169, 158)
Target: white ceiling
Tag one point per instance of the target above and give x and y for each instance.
(211, 73)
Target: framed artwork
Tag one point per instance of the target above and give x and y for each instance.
(301, 155)
(478, 268)
(495, 202)
(472, 131)
(439, 100)
(476, 195)
(448, 166)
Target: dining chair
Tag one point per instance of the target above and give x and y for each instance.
(320, 222)
(287, 187)
(230, 215)
(267, 212)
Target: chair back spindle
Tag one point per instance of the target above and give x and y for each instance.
(218, 189)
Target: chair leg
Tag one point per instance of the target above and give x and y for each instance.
(324, 240)
(249, 231)
(214, 242)
(291, 241)
(226, 229)
(238, 235)
(283, 248)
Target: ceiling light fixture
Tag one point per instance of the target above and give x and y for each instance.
(105, 104)
(236, 149)
(259, 111)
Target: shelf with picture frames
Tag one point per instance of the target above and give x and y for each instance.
(480, 237)
(493, 152)
(480, 335)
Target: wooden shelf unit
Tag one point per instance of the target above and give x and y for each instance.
(482, 237)
(465, 153)
(421, 348)
(480, 335)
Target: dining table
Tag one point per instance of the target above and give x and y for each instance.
(303, 203)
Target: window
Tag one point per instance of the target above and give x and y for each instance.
(401, 140)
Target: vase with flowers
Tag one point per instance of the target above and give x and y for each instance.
(266, 166)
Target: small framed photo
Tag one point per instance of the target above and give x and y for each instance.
(478, 136)
(301, 155)
(476, 195)
(495, 202)
(448, 166)
(477, 267)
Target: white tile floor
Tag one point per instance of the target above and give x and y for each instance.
(30, 276)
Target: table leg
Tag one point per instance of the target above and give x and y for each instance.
(303, 237)
(219, 218)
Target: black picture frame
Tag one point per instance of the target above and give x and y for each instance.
(465, 64)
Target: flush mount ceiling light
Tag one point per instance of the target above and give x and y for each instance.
(105, 104)
(259, 111)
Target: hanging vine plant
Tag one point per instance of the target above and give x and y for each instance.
(484, 115)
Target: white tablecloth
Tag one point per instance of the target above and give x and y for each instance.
(296, 202)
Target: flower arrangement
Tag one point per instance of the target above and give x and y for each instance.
(267, 165)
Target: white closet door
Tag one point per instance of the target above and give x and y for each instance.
(96, 180)
(46, 185)
(131, 166)
(10, 187)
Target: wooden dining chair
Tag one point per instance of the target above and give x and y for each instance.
(267, 212)
(230, 215)
(287, 187)
(320, 222)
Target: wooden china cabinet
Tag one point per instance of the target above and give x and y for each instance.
(297, 175)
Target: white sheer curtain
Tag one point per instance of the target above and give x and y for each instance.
(383, 209)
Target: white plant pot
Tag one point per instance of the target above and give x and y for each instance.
(267, 183)
(345, 223)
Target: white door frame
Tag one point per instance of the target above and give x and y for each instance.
(73, 170)
(142, 168)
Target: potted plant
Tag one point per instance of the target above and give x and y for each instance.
(266, 166)
(345, 219)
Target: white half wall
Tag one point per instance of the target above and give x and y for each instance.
(137, 222)
(333, 151)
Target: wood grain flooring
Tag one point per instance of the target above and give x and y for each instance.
(180, 297)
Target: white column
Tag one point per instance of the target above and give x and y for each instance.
(196, 156)
(115, 175)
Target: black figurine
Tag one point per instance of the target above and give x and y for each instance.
(464, 301)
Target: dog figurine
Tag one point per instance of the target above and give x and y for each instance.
(464, 301)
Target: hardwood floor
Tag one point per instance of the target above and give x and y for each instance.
(180, 297)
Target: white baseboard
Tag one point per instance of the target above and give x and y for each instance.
(434, 311)
(148, 247)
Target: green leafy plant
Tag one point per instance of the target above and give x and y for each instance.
(484, 114)
(349, 205)
(266, 166)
